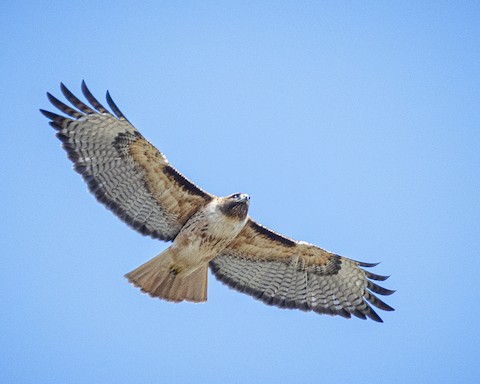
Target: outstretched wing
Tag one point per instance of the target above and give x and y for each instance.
(122, 169)
(293, 274)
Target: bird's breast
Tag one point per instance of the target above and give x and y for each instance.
(206, 234)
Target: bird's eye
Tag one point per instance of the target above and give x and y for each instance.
(236, 196)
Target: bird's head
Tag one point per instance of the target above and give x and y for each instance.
(240, 198)
(236, 205)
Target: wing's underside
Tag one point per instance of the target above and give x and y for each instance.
(290, 274)
(122, 169)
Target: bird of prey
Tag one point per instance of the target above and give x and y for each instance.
(137, 183)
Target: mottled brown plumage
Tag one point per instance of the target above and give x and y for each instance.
(136, 182)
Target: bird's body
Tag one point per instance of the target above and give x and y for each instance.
(205, 235)
(136, 182)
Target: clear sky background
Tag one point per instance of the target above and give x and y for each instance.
(353, 125)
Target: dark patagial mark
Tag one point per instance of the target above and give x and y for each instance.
(265, 232)
(183, 182)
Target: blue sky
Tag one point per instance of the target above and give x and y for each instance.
(352, 125)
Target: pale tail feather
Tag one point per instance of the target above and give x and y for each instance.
(157, 277)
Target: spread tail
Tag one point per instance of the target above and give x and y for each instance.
(160, 278)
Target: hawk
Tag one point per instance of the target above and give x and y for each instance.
(137, 183)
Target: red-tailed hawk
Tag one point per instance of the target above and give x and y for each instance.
(136, 182)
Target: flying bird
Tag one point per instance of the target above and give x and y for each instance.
(137, 183)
